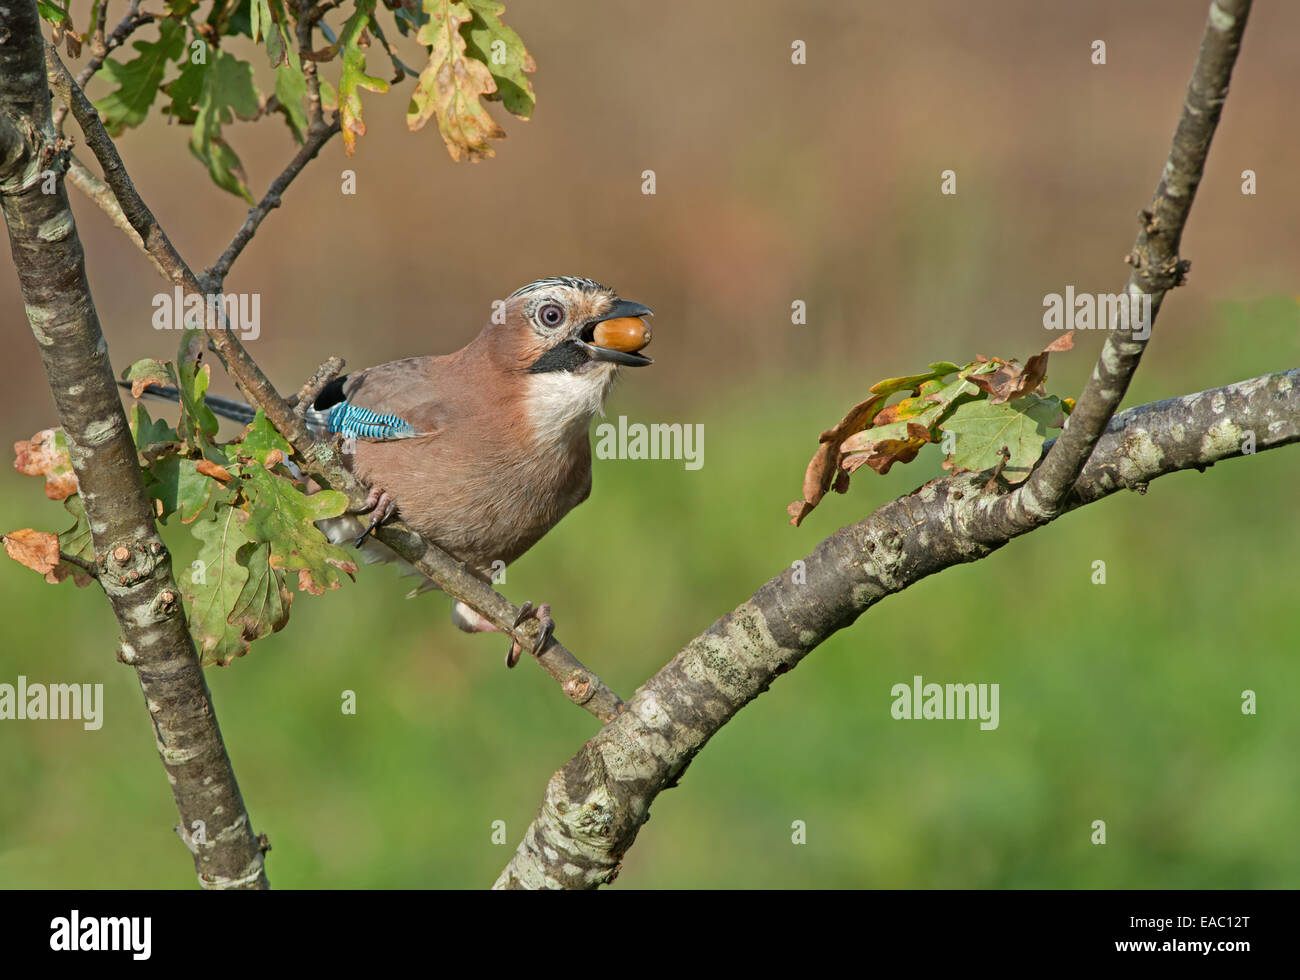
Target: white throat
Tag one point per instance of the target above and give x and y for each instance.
(561, 404)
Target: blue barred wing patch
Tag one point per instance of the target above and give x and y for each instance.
(362, 423)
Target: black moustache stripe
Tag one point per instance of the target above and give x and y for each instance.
(567, 356)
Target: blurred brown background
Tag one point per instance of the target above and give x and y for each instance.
(775, 182)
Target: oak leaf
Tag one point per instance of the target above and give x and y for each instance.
(38, 550)
(451, 85)
(46, 454)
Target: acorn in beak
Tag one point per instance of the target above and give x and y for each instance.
(618, 335)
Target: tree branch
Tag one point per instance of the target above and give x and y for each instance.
(595, 805)
(1157, 269)
(133, 565)
(307, 19)
(86, 181)
(314, 385)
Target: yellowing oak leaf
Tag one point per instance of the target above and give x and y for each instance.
(990, 405)
(451, 85)
(490, 41)
(352, 77)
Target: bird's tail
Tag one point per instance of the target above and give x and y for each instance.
(227, 408)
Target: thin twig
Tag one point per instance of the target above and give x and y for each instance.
(306, 27)
(310, 391)
(85, 180)
(320, 10)
(97, 39)
(87, 567)
(137, 214)
(1157, 269)
(317, 136)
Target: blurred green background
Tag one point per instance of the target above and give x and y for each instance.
(775, 182)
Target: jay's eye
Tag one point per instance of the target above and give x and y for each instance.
(552, 315)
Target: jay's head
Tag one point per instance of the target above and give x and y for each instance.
(568, 336)
(573, 326)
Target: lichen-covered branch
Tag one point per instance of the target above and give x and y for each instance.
(133, 566)
(1157, 268)
(596, 804)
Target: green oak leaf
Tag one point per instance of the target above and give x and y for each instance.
(149, 432)
(198, 425)
(262, 606)
(290, 90)
(284, 517)
(499, 47)
(56, 14)
(268, 21)
(954, 393)
(941, 368)
(451, 84)
(75, 541)
(184, 91)
(213, 586)
(259, 12)
(138, 80)
(183, 490)
(227, 91)
(261, 439)
(982, 429)
(148, 371)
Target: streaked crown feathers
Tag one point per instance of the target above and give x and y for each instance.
(570, 282)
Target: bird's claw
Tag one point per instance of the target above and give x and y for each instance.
(382, 504)
(540, 613)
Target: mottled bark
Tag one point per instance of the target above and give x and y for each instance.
(1157, 268)
(133, 566)
(594, 806)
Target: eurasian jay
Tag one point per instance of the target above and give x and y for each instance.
(484, 450)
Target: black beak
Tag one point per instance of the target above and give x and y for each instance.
(623, 308)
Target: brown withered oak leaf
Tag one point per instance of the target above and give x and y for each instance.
(44, 455)
(1011, 381)
(824, 466)
(38, 550)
